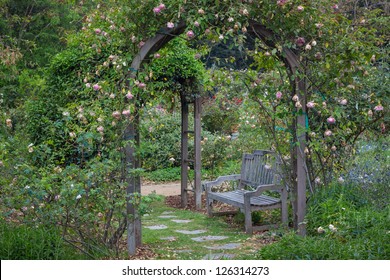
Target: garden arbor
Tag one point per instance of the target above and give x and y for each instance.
(152, 45)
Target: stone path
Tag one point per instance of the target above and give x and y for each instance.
(201, 237)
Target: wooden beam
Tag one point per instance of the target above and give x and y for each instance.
(152, 45)
(184, 151)
(133, 188)
(291, 59)
(197, 146)
(301, 159)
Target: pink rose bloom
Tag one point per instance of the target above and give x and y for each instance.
(141, 85)
(156, 10)
(281, 2)
(378, 108)
(300, 8)
(88, 85)
(100, 129)
(344, 102)
(141, 44)
(126, 112)
(196, 24)
(328, 133)
(157, 55)
(170, 25)
(190, 34)
(129, 95)
(310, 104)
(331, 120)
(300, 41)
(96, 87)
(161, 6)
(201, 11)
(98, 30)
(116, 114)
(279, 95)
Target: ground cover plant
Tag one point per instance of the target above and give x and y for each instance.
(23, 242)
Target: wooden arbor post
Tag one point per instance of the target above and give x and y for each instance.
(184, 151)
(292, 62)
(133, 189)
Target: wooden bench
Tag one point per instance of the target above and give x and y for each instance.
(258, 175)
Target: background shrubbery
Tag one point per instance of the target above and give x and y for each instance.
(350, 219)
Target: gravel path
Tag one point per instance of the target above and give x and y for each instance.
(172, 188)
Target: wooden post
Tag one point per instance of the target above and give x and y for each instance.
(197, 146)
(184, 151)
(301, 158)
(131, 132)
(133, 189)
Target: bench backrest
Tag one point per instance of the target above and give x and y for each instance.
(259, 168)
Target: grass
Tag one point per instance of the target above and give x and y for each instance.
(184, 248)
(21, 242)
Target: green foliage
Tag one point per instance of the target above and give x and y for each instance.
(176, 64)
(163, 175)
(368, 170)
(161, 134)
(20, 242)
(216, 149)
(295, 247)
(341, 224)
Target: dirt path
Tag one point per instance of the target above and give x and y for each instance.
(167, 189)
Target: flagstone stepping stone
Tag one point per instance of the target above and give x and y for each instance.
(219, 256)
(209, 238)
(181, 221)
(229, 246)
(189, 232)
(167, 216)
(168, 238)
(167, 212)
(183, 251)
(157, 227)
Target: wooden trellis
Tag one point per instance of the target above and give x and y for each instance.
(185, 160)
(152, 45)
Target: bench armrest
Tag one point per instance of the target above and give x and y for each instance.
(261, 189)
(208, 184)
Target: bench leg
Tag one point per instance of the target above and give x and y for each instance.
(210, 207)
(248, 220)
